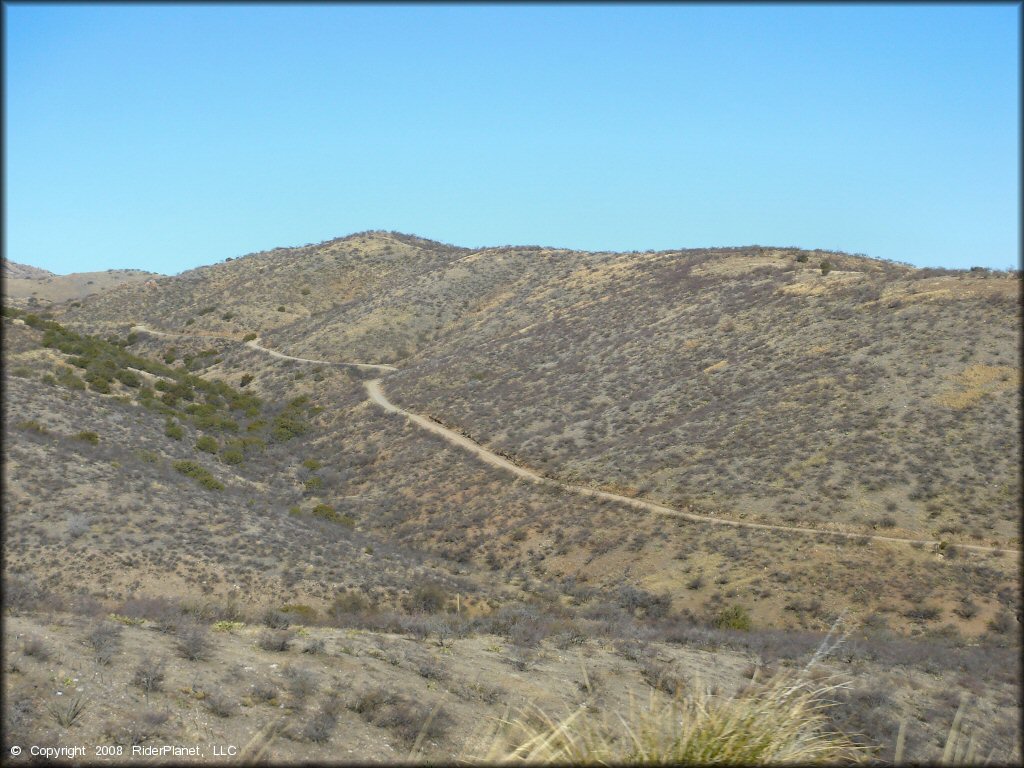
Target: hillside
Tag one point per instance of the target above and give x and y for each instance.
(14, 270)
(740, 381)
(30, 286)
(167, 462)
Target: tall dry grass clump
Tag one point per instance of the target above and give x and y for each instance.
(782, 722)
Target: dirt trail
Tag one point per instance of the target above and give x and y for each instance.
(375, 391)
(254, 344)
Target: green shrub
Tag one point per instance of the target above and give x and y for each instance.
(249, 337)
(207, 444)
(88, 437)
(802, 258)
(198, 473)
(173, 430)
(734, 617)
(281, 308)
(170, 355)
(232, 456)
(305, 291)
(66, 377)
(826, 266)
(312, 464)
(246, 380)
(300, 613)
(128, 378)
(32, 426)
(313, 484)
(326, 512)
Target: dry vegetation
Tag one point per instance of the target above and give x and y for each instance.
(284, 562)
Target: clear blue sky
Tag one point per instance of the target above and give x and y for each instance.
(164, 137)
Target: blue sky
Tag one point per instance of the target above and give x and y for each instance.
(164, 137)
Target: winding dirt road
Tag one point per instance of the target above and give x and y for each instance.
(375, 391)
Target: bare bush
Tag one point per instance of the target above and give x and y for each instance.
(105, 639)
(149, 674)
(275, 640)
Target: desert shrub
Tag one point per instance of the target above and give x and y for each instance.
(248, 377)
(149, 675)
(105, 639)
(404, 717)
(1001, 624)
(34, 647)
(304, 614)
(801, 257)
(173, 430)
(88, 437)
(165, 614)
(966, 610)
(264, 691)
(320, 727)
(207, 444)
(193, 642)
(653, 606)
(128, 378)
(232, 456)
(734, 617)
(275, 619)
(31, 425)
(278, 640)
(302, 684)
(346, 605)
(311, 464)
(662, 677)
(826, 266)
(198, 473)
(427, 598)
(218, 703)
(327, 512)
(923, 612)
(431, 669)
(315, 647)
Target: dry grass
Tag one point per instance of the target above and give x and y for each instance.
(781, 723)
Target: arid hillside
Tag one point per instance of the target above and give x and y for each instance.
(33, 287)
(819, 389)
(193, 459)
